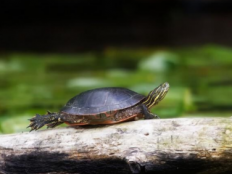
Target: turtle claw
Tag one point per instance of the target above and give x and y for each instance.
(39, 126)
(32, 128)
(31, 125)
(35, 117)
(36, 122)
(32, 119)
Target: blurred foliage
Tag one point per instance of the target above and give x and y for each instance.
(200, 80)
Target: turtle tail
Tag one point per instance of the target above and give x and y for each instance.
(40, 120)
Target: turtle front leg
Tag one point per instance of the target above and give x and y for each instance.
(148, 114)
(152, 116)
(54, 124)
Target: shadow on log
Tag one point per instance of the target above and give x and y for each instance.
(186, 145)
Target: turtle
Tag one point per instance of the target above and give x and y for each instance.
(108, 105)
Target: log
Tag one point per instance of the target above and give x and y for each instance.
(185, 145)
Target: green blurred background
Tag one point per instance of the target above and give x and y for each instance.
(37, 74)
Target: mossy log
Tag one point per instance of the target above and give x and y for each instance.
(185, 145)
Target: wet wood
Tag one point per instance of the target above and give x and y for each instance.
(185, 145)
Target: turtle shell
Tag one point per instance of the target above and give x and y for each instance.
(102, 100)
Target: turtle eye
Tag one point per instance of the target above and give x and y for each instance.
(165, 86)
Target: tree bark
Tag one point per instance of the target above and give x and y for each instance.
(185, 145)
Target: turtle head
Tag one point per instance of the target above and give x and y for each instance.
(156, 95)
